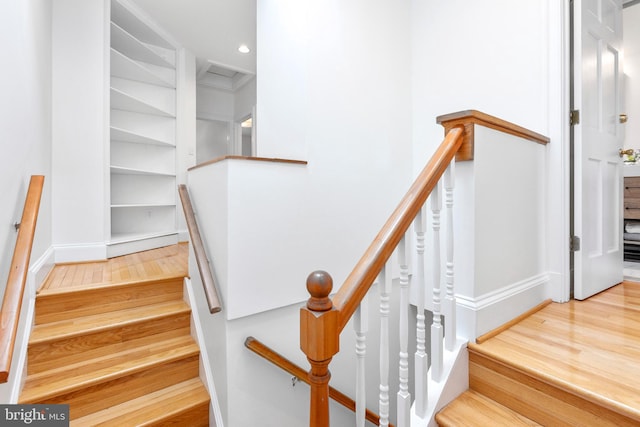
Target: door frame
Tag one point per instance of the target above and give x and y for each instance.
(559, 213)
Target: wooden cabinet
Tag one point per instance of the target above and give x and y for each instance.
(142, 135)
(631, 212)
(632, 197)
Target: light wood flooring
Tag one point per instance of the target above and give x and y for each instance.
(588, 348)
(153, 264)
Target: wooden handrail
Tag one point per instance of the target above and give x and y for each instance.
(204, 266)
(16, 282)
(470, 118)
(357, 284)
(282, 362)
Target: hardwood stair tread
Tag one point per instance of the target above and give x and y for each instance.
(93, 364)
(575, 387)
(472, 409)
(105, 350)
(43, 386)
(153, 408)
(51, 292)
(64, 303)
(69, 328)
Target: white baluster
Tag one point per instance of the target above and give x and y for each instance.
(449, 308)
(436, 327)
(384, 280)
(360, 324)
(421, 357)
(404, 397)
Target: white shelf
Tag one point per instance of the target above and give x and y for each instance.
(160, 98)
(133, 48)
(131, 171)
(127, 68)
(158, 128)
(126, 102)
(122, 16)
(129, 237)
(150, 205)
(142, 155)
(118, 134)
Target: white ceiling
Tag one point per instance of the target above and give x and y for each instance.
(211, 29)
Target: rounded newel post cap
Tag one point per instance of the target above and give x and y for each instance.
(319, 285)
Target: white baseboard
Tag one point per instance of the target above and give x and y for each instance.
(40, 269)
(37, 273)
(206, 375)
(479, 315)
(80, 252)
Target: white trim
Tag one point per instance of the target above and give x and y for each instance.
(455, 382)
(80, 252)
(39, 270)
(206, 375)
(37, 273)
(477, 316)
(558, 161)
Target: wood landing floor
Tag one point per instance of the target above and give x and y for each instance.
(591, 346)
(153, 264)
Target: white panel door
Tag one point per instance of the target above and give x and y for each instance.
(597, 138)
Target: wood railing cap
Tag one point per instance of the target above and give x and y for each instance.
(468, 118)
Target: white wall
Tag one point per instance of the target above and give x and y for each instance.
(631, 24)
(505, 59)
(213, 139)
(25, 139)
(80, 128)
(244, 100)
(500, 258)
(214, 104)
(333, 88)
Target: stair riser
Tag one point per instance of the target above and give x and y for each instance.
(53, 350)
(195, 417)
(98, 397)
(63, 306)
(535, 399)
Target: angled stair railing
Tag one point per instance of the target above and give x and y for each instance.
(323, 318)
(204, 265)
(17, 279)
(300, 374)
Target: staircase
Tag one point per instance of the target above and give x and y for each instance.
(573, 364)
(118, 353)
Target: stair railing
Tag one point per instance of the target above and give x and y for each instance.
(17, 279)
(300, 374)
(323, 319)
(204, 265)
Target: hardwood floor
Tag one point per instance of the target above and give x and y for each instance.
(153, 264)
(579, 362)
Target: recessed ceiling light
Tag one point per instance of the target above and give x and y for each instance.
(244, 48)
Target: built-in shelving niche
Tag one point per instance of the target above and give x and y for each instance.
(143, 135)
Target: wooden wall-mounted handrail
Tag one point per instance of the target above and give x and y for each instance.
(357, 284)
(282, 362)
(204, 266)
(17, 279)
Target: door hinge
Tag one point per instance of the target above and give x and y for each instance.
(574, 117)
(574, 244)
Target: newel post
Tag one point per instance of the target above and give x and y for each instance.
(319, 340)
